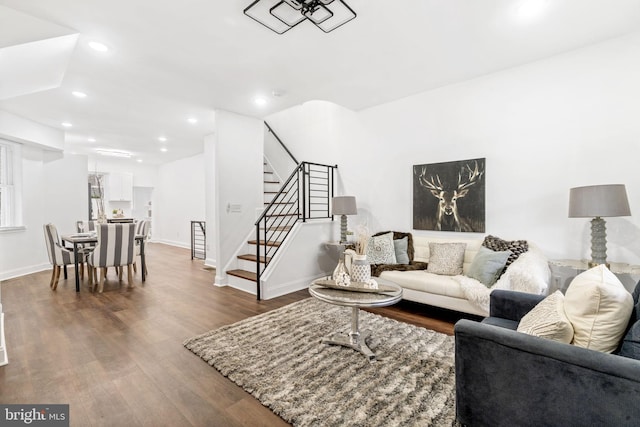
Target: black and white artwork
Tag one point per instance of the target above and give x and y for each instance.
(449, 196)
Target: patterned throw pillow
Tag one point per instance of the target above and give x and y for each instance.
(517, 247)
(380, 249)
(446, 258)
(548, 320)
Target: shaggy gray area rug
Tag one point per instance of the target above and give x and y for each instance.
(278, 358)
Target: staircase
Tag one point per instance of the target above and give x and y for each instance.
(247, 262)
(306, 194)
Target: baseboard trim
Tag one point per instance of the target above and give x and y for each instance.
(289, 287)
(12, 274)
(172, 243)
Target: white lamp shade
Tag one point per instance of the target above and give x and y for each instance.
(598, 201)
(344, 205)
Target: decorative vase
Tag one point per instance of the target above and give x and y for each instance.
(360, 269)
(340, 274)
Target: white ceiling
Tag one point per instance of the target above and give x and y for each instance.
(170, 60)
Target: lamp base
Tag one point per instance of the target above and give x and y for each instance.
(343, 229)
(598, 242)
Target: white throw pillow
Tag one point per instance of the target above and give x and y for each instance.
(380, 249)
(446, 258)
(598, 306)
(548, 320)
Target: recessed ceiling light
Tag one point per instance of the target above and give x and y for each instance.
(79, 94)
(66, 124)
(91, 139)
(260, 101)
(192, 120)
(114, 153)
(164, 150)
(162, 138)
(139, 160)
(97, 46)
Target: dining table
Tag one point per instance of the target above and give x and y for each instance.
(79, 239)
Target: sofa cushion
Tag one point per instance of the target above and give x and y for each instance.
(380, 249)
(599, 307)
(517, 247)
(548, 320)
(446, 258)
(423, 281)
(630, 345)
(400, 247)
(487, 266)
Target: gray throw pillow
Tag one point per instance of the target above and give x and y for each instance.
(446, 258)
(487, 266)
(400, 247)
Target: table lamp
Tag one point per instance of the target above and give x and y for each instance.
(598, 201)
(343, 205)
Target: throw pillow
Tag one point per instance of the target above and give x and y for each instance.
(548, 320)
(446, 258)
(517, 247)
(380, 249)
(400, 247)
(487, 266)
(599, 307)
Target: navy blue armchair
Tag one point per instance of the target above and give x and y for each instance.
(507, 378)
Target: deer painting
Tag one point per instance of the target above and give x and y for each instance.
(449, 189)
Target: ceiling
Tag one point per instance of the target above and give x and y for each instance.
(171, 60)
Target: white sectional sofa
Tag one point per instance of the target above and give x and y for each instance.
(528, 273)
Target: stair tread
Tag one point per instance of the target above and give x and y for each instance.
(271, 182)
(269, 242)
(248, 275)
(252, 257)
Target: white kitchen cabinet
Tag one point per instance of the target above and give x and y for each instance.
(120, 187)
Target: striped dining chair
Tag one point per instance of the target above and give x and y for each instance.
(59, 256)
(142, 229)
(115, 248)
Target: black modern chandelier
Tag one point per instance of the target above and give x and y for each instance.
(282, 15)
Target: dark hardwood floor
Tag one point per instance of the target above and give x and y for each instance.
(117, 358)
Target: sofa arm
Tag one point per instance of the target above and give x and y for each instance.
(507, 378)
(512, 305)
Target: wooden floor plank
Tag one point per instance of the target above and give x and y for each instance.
(117, 357)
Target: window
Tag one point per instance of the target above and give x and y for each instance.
(9, 178)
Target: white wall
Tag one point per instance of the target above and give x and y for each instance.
(303, 258)
(65, 190)
(179, 198)
(209, 154)
(545, 127)
(238, 180)
(54, 190)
